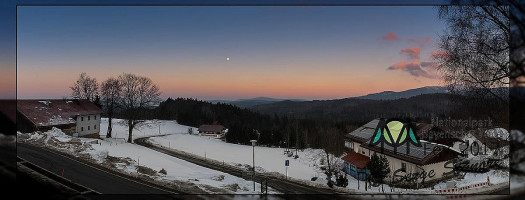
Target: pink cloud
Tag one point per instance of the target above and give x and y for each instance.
(411, 52)
(414, 68)
(390, 36)
(438, 54)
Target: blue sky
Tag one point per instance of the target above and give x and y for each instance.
(310, 52)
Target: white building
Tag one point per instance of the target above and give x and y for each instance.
(88, 124)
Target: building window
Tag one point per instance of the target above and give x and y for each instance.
(81, 118)
(404, 167)
(81, 128)
(89, 118)
(95, 117)
(95, 127)
(349, 145)
(89, 128)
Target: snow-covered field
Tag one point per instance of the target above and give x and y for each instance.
(151, 128)
(267, 159)
(126, 157)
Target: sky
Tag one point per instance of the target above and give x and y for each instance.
(305, 52)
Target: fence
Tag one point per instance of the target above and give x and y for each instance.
(459, 189)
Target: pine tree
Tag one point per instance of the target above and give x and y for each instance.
(379, 168)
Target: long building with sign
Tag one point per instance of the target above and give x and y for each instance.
(432, 158)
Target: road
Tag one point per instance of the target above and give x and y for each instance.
(284, 186)
(95, 179)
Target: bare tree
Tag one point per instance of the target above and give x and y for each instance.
(517, 42)
(137, 93)
(332, 144)
(85, 87)
(474, 51)
(111, 90)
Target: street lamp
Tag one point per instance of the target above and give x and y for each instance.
(253, 164)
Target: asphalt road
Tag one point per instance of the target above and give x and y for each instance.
(95, 179)
(284, 186)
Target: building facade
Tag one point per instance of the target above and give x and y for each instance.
(88, 124)
(407, 160)
(215, 131)
(355, 165)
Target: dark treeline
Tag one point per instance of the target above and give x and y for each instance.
(243, 124)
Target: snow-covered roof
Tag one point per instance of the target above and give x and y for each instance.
(56, 111)
(427, 153)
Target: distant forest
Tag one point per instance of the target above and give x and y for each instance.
(243, 124)
(288, 123)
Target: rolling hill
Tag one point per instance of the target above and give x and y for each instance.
(248, 103)
(391, 95)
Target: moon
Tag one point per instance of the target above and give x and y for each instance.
(228, 59)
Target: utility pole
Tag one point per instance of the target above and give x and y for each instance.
(253, 164)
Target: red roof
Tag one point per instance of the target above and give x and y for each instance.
(56, 111)
(359, 160)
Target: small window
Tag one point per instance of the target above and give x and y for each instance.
(89, 127)
(95, 117)
(89, 118)
(81, 118)
(95, 127)
(404, 167)
(81, 128)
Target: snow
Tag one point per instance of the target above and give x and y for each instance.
(177, 169)
(132, 155)
(496, 176)
(149, 128)
(267, 159)
(55, 120)
(57, 134)
(177, 137)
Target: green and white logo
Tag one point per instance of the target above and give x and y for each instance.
(395, 133)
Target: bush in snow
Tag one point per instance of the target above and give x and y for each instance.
(163, 171)
(102, 154)
(219, 178)
(341, 181)
(146, 170)
(233, 187)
